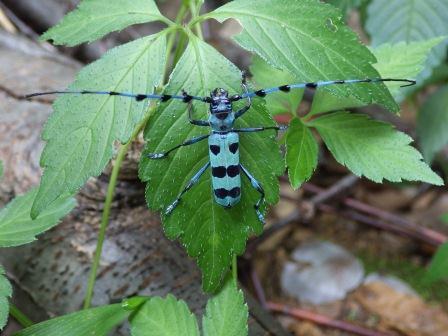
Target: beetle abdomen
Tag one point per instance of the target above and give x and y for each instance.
(225, 159)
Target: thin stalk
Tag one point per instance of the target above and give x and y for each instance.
(165, 20)
(195, 13)
(198, 19)
(161, 18)
(183, 38)
(19, 316)
(179, 48)
(106, 213)
(180, 16)
(114, 176)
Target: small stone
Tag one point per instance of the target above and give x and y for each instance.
(321, 272)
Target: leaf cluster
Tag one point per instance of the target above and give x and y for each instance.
(226, 314)
(291, 47)
(18, 228)
(294, 41)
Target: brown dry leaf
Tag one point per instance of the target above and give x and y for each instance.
(408, 314)
(305, 329)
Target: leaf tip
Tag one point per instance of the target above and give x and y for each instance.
(438, 181)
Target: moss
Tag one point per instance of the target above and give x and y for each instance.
(409, 272)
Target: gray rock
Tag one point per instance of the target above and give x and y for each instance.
(320, 272)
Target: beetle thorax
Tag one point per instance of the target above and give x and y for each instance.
(222, 116)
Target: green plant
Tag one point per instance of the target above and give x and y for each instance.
(414, 275)
(295, 42)
(226, 314)
(17, 228)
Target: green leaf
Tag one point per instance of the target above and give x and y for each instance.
(444, 218)
(81, 132)
(226, 313)
(134, 302)
(95, 18)
(265, 75)
(210, 233)
(309, 39)
(409, 21)
(403, 60)
(438, 269)
(324, 101)
(95, 321)
(5, 293)
(432, 123)
(16, 225)
(301, 153)
(346, 5)
(373, 148)
(164, 317)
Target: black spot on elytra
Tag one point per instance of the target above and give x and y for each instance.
(221, 193)
(233, 147)
(215, 149)
(233, 171)
(235, 192)
(284, 88)
(219, 171)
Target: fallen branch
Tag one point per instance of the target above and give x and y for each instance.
(356, 210)
(322, 320)
(382, 219)
(6, 24)
(305, 212)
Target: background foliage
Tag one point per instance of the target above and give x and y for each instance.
(293, 41)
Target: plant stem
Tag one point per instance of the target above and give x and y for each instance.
(116, 169)
(106, 213)
(167, 21)
(183, 38)
(195, 13)
(179, 48)
(19, 316)
(180, 16)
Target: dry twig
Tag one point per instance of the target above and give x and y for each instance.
(322, 320)
(6, 24)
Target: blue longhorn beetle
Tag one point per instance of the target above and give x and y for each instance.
(223, 140)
